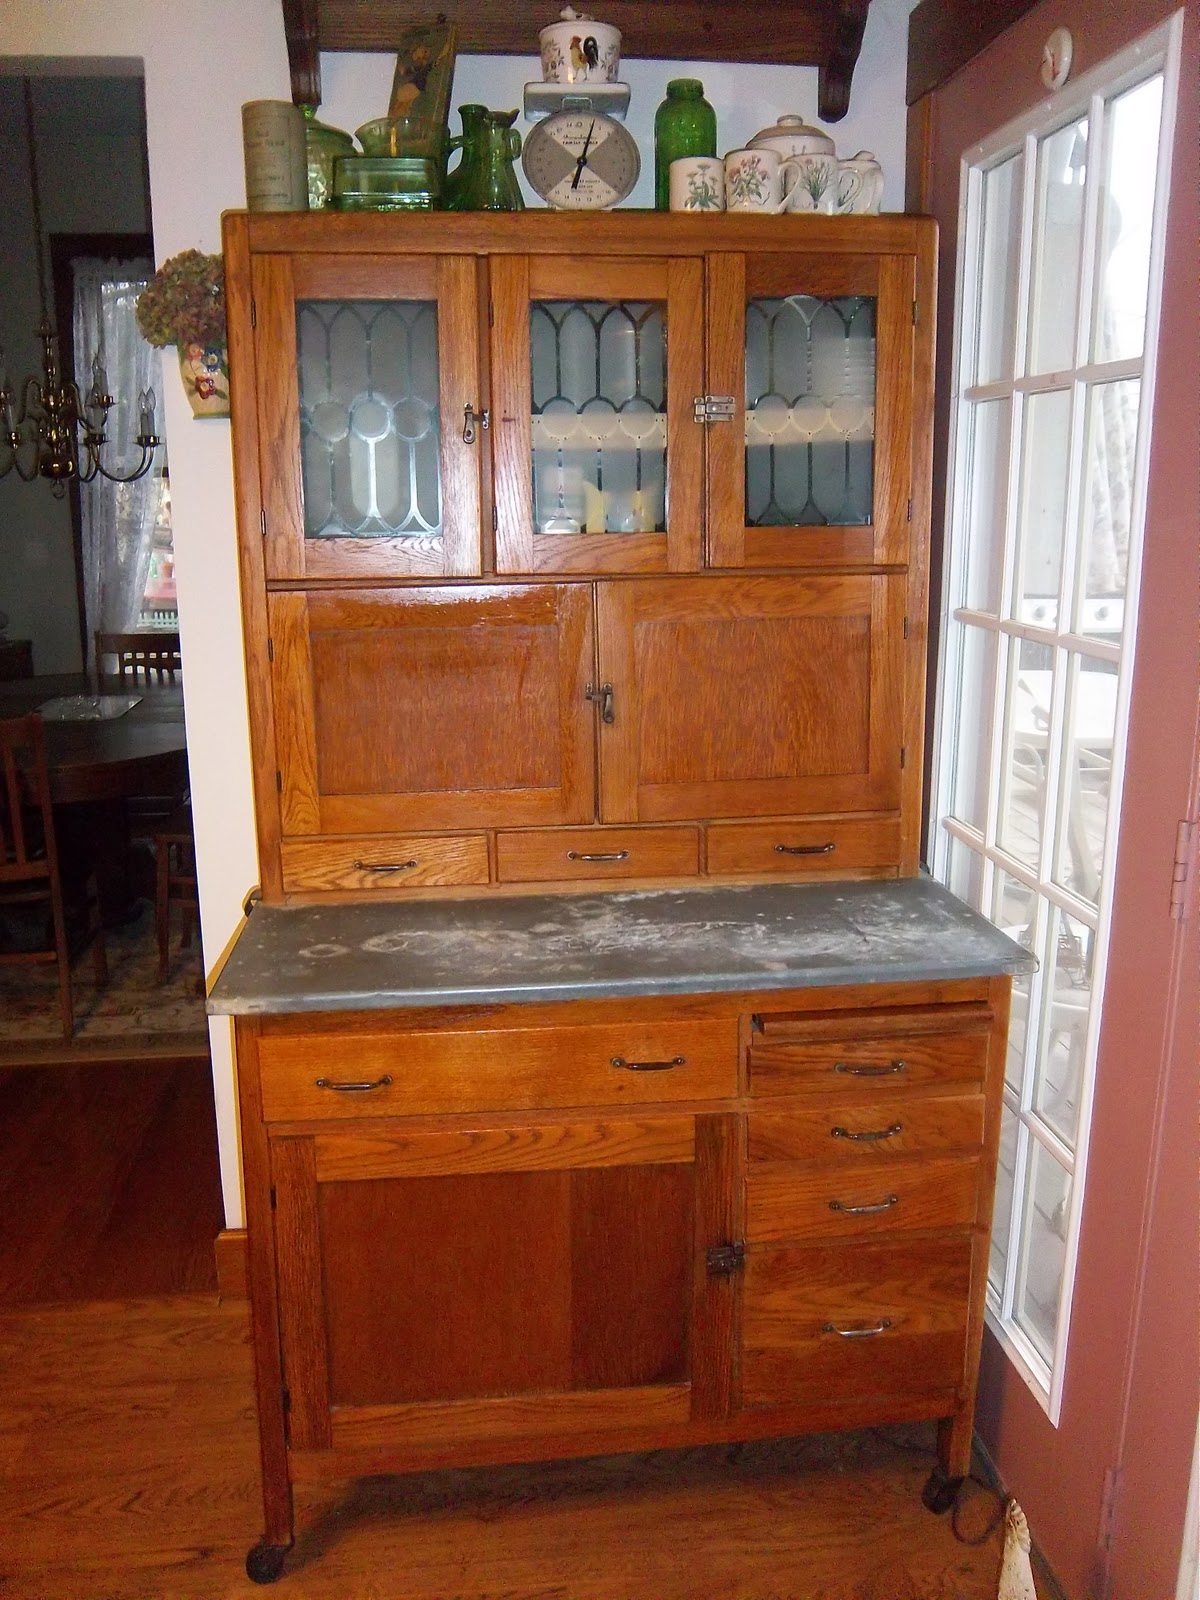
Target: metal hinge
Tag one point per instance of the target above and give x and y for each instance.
(903, 755)
(270, 649)
(491, 315)
(906, 627)
(908, 517)
(1183, 869)
(262, 522)
(915, 314)
(723, 1260)
(713, 407)
(253, 314)
(1104, 1534)
(278, 781)
(274, 1197)
(286, 1396)
(495, 520)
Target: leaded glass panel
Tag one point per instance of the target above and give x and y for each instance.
(370, 430)
(810, 411)
(599, 415)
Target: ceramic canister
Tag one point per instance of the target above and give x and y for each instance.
(275, 156)
(580, 50)
(815, 154)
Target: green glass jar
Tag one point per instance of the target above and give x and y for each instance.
(684, 125)
(472, 159)
(322, 147)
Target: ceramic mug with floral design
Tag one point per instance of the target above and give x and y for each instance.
(759, 180)
(697, 183)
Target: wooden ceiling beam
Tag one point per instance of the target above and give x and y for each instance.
(943, 35)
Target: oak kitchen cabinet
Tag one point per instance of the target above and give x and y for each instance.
(570, 525)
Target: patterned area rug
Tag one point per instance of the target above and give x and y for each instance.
(133, 1012)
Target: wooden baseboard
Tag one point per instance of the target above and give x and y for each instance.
(230, 1251)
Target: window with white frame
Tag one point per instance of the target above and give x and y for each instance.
(1059, 274)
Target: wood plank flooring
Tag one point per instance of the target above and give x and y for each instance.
(129, 1471)
(109, 1180)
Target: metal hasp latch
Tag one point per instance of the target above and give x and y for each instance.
(723, 1260)
(602, 696)
(713, 407)
(470, 418)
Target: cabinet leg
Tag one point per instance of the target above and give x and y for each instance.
(940, 1492)
(264, 1562)
(954, 1463)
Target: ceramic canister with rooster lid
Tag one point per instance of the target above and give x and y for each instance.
(578, 49)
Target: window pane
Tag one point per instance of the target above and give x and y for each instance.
(1002, 1211)
(1058, 236)
(1015, 910)
(999, 274)
(599, 404)
(1025, 754)
(1107, 507)
(1068, 994)
(1043, 1248)
(969, 791)
(1046, 449)
(1126, 214)
(964, 876)
(986, 502)
(1091, 726)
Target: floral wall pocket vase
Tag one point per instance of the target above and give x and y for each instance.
(205, 373)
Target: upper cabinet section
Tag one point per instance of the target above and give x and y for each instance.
(369, 415)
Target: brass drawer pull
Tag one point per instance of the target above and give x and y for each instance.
(865, 1211)
(881, 1326)
(855, 1071)
(881, 1133)
(805, 849)
(649, 1066)
(384, 866)
(598, 855)
(355, 1088)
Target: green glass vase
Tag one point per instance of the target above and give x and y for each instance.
(684, 125)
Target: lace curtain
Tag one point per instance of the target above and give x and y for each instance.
(117, 518)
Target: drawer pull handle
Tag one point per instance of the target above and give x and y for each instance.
(805, 849)
(880, 1133)
(865, 1211)
(649, 1066)
(597, 855)
(354, 1088)
(855, 1071)
(881, 1326)
(384, 866)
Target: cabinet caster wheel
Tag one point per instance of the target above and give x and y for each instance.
(265, 1561)
(940, 1492)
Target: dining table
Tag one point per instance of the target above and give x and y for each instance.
(108, 742)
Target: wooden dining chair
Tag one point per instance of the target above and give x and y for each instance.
(29, 862)
(175, 882)
(150, 657)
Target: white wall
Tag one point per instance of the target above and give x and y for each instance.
(202, 61)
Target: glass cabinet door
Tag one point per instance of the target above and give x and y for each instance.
(368, 376)
(594, 369)
(814, 466)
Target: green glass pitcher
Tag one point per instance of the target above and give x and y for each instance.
(486, 176)
(470, 145)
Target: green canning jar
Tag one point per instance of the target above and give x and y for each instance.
(684, 125)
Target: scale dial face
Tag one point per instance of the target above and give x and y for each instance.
(581, 160)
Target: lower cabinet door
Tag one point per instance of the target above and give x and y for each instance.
(494, 1283)
(856, 1321)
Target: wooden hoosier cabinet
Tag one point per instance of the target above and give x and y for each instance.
(584, 584)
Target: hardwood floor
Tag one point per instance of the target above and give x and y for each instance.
(129, 1471)
(109, 1182)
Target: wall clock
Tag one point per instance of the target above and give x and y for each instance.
(581, 160)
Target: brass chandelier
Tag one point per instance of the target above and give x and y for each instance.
(58, 434)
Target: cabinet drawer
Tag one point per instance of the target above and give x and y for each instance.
(867, 1055)
(401, 1074)
(560, 853)
(848, 1322)
(386, 862)
(828, 1202)
(811, 846)
(862, 1132)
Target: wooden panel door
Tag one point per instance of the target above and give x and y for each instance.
(365, 368)
(432, 708)
(441, 1291)
(739, 697)
(816, 352)
(598, 459)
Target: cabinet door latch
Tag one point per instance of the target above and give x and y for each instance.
(602, 695)
(713, 407)
(470, 418)
(723, 1260)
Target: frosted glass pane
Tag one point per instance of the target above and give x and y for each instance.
(999, 274)
(370, 430)
(1089, 733)
(1058, 242)
(1046, 1205)
(1068, 967)
(599, 416)
(1002, 1210)
(1024, 755)
(1126, 214)
(810, 411)
(1107, 508)
(1046, 450)
(977, 679)
(986, 499)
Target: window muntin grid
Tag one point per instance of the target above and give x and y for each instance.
(370, 425)
(1069, 649)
